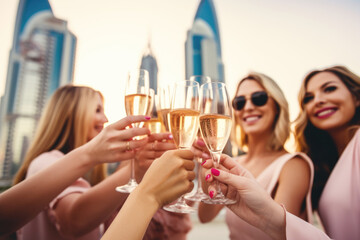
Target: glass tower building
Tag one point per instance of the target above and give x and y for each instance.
(203, 46)
(41, 59)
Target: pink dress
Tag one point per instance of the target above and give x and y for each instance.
(339, 205)
(268, 178)
(44, 226)
(167, 225)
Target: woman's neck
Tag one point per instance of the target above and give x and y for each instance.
(258, 147)
(341, 138)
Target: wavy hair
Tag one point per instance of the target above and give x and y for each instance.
(282, 122)
(64, 126)
(317, 143)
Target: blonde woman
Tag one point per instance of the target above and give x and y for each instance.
(262, 117)
(74, 116)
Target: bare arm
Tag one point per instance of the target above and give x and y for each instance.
(38, 190)
(168, 177)
(294, 182)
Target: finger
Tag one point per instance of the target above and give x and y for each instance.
(208, 176)
(185, 153)
(133, 132)
(161, 146)
(230, 179)
(126, 121)
(191, 175)
(160, 137)
(207, 163)
(135, 144)
(234, 166)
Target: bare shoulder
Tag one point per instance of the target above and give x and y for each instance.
(296, 168)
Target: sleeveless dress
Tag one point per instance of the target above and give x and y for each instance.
(339, 205)
(268, 178)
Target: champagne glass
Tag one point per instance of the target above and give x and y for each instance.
(215, 126)
(164, 105)
(154, 124)
(137, 100)
(199, 194)
(184, 125)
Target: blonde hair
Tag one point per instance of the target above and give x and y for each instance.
(64, 126)
(317, 143)
(282, 122)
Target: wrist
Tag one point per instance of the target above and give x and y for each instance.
(83, 155)
(275, 221)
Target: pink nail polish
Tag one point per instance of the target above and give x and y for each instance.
(147, 118)
(207, 177)
(171, 136)
(211, 194)
(203, 162)
(215, 172)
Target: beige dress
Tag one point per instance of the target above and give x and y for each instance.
(268, 178)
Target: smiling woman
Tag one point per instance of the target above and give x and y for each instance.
(74, 116)
(262, 114)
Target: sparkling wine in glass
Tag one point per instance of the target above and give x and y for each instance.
(164, 105)
(215, 127)
(154, 124)
(199, 194)
(137, 101)
(184, 125)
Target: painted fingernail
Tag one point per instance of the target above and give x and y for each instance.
(215, 172)
(203, 162)
(147, 118)
(207, 177)
(171, 136)
(211, 194)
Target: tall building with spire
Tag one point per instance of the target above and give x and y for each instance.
(203, 46)
(41, 59)
(148, 62)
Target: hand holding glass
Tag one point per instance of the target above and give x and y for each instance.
(137, 101)
(215, 126)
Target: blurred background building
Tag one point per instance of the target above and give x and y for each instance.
(41, 60)
(203, 46)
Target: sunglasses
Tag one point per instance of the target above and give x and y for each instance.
(257, 98)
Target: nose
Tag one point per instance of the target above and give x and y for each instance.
(248, 104)
(319, 99)
(104, 118)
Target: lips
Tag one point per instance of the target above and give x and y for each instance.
(325, 112)
(250, 119)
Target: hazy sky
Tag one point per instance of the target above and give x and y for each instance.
(281, 38)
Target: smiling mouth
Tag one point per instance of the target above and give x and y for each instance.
(325, 113)
(251, 119)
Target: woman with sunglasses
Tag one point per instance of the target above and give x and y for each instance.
(327, 129)
(261, 117)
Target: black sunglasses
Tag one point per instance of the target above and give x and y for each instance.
(257, 98)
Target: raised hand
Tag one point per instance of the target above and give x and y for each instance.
(254, 204)
(114, 143)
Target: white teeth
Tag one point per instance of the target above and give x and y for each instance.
(250, 119)
(325, 112)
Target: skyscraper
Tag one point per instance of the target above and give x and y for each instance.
(203, 46)
(148, 62)
(41, 59)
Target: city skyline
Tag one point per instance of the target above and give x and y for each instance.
(283, 39)
(41, 59)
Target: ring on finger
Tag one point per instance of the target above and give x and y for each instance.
(128, 146)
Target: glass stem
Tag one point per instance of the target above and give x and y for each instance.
(132, 176)
(199, 188)
(216, 158)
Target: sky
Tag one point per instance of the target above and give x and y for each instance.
(283, 39)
